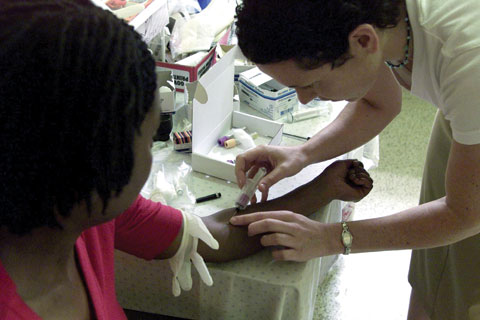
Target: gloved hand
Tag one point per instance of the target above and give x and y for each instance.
(180, 263)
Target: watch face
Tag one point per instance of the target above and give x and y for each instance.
(347, 238)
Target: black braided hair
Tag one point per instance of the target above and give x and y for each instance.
(75, 86)
(311, 32)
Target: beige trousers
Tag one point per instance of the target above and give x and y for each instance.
(446, 279)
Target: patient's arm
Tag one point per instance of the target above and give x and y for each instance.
(344, 180)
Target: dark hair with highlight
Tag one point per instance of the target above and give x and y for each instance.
(76, 84)
(311, 32)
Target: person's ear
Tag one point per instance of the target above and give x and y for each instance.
(363, 38)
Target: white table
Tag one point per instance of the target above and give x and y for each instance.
(253, 288)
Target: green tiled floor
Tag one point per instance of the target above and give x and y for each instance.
(373, 286)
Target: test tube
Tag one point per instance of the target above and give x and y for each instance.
(249, 189)
(230, 143)
(305, 114)
(221, 141)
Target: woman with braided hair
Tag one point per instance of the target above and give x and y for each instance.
(78, 111)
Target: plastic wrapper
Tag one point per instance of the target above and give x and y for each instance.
(199, 32)
(169, 184)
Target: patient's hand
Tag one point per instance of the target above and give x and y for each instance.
(348, 178)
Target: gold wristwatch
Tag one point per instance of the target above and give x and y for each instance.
(347, 238)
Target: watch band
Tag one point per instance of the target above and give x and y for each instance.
(347, 238)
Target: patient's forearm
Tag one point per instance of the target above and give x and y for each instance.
(234, 241)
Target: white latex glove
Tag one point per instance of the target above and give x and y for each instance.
(180, 263)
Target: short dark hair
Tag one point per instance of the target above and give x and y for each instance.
(76, 84)
(311, 32)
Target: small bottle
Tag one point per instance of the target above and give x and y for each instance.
(166, 124)
(305, 114)
(316, 102)
(221, 141)
(249, 189)
(230, 143)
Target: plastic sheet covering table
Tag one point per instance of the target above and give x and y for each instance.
(253, 288)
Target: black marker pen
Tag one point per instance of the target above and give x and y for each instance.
(209, 197)
(295, 136)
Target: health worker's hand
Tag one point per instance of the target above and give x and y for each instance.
(280, 162)
(293, 236)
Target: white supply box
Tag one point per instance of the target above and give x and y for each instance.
(213, 116)
(265, 94)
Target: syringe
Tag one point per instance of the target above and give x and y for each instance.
(249, 189)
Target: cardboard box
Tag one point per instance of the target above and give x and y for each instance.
(265, 94)
(183, 74)
(213, 116)
(239, 69)
(241, 65)
(167, 94)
